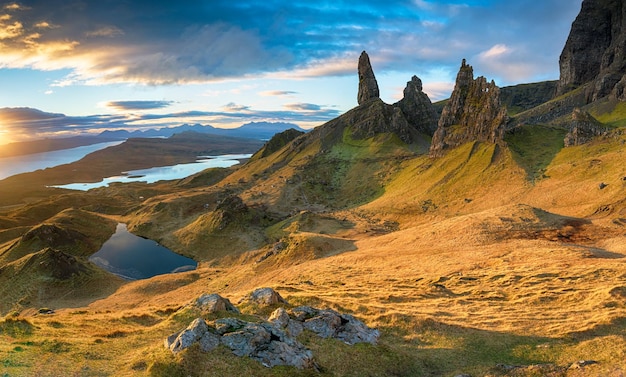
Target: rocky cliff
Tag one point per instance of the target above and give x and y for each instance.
(473, 113)
(595, 51)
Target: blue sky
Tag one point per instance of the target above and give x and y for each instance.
(76, 66)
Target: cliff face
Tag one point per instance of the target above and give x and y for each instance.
(473, 113)
(595, 51)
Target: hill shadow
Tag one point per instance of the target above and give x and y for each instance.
(534, 147)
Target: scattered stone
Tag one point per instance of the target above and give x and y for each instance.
(582, 363)
(368, 86)
(602, 185)
(212, 303)
(265, 297)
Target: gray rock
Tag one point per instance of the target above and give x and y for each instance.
(355, 331)
(265, 297)
(212, 303)
(180, 341)
(368, 86)
(325, 324)
(209, 341)
(582, 363)
(281, 319)
(246, 341)
(225, 325)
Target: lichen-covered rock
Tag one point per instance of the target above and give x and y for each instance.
(473, 113)
(595, 51)
(328, 323)
(368, 86)
(184, 339)
(212, 303)
(245, 341)
(583, 128)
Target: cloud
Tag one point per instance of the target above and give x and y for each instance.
(105, 31)
(302, 106)
(172, 42)
(277, 93)
(138, 105)
(233, 107)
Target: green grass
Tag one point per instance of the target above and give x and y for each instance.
(534, 147)
(611, 113)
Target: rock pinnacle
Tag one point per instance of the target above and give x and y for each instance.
(368, 87)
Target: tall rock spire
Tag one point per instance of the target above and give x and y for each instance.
(368, 87)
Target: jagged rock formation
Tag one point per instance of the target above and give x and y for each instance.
(595, 51)
(417, 108)
(473, 113)
(368, 86)
(583, 128)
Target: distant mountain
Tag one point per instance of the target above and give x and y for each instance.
(253, 130)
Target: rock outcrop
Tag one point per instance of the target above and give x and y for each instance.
(272, 342)
(595, 51)
(473, 113)
(583, 128)
(417, 108)
(368, 86)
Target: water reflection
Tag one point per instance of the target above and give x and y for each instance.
(163, 173)
(133, 257)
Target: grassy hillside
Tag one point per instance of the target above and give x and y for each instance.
(493, 260)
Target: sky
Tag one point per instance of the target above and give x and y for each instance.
(81, 66)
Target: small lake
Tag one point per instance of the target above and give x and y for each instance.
(132, 257)
(164, 173)
(31, 162)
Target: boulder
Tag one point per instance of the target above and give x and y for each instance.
(368, 86)
(184, 339)
(212, 303)
(265, 297)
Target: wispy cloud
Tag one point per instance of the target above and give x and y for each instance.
(138, 105)
(302, 106)
(277, 93)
